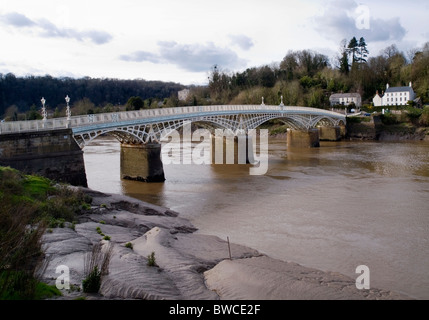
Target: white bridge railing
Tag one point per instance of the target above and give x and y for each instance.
(163, 114)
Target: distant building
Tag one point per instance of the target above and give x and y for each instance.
(183, 94)
(394, 96)
(345, 99)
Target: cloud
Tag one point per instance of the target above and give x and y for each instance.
(383, 30)
(242, 41)
(140, 56)
(191, 57)
(16, 20)
(47, 29)
(347, 19)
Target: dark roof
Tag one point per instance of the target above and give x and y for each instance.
(399, 89)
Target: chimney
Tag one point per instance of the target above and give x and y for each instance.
(387, 86)
(410, 84)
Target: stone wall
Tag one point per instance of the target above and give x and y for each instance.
(52, 154)
(364, 130)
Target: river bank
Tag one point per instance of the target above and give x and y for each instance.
(189, 265)
(375, 130)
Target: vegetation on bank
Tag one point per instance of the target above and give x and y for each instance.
(20, 96)
(308, 78)
(30, 205)
(413, 116)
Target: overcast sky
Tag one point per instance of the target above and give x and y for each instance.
(180, 40)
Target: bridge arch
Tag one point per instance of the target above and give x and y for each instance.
(239, 122)
(145, 126)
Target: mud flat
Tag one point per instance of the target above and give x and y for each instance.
(189, 265)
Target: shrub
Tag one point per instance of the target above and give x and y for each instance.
(17, 285)
(354, 119)
(413, 114)
(151, 261)
(20, 251)
(388, 119)
(424, 118)
(96, 265)
(92, 283)
(44, 291)
(129, 245)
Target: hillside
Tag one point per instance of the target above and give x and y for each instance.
(19, 95)
(308, 78)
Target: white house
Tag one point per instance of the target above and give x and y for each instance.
(394, 96)
(183, 94)
(345, 99)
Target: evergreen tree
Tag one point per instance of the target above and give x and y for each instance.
(353, 49)
(344, 63)
(363, 51)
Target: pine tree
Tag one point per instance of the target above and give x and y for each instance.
(353, 49)
(343, 59)
(363, 51)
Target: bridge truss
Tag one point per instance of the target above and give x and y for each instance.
(145, 126)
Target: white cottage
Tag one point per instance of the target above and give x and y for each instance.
(183, 94)
(394, 96)
(345, 99)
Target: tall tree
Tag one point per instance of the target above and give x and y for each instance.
(353, 49)
(390, 51)
(363, 51)
(289, 64)
(343, 59)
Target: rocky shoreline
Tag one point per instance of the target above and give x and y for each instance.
(375, 130)
(189, 265)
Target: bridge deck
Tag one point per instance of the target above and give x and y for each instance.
(103, 120)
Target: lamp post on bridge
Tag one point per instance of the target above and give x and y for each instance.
(68, 111)
(44, 113)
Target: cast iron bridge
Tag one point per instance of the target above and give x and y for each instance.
(152, 125)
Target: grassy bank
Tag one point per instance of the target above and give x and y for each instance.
(30, 206)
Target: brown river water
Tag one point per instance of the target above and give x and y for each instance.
(332, 208)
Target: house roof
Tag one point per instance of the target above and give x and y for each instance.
(399, 89)
(344, 95)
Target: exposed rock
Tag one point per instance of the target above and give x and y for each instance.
(188, 265)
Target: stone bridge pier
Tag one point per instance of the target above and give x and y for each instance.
(311, 138)
(236, 149)
(303, 138)
(333, 133)
(142, 162)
